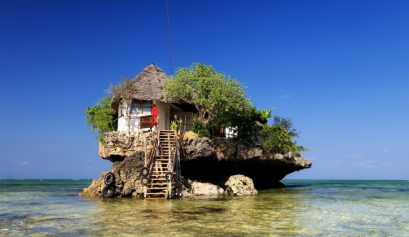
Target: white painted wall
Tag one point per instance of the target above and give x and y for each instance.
(135, 115)
(230, 132)
(164, 117)
(122, 119)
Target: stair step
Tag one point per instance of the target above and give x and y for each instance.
(158, 185)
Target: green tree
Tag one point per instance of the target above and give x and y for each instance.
(279, 137)
(101, 116)
(217, 97)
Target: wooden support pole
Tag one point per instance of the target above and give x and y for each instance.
(146, 151)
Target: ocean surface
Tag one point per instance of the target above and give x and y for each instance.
(304, 208)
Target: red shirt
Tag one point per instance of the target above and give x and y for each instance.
(155, 114)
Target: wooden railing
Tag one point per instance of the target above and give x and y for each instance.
(150, 159)
(176, 169)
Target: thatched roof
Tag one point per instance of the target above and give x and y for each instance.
(148, 85)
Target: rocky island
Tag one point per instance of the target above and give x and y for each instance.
(206, 139)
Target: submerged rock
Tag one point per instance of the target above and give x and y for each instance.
(204, 189)
(95, 188)
(240, 185)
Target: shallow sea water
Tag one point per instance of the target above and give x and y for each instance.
(304, 208)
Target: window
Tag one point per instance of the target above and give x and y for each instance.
(141, 107)
(135, 107)
(146, 107)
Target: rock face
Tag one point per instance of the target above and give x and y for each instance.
(204, 189)
(118, 145)
(215, 160)
(240, 185)
(127, 179)
(95, 188)
(212, 164)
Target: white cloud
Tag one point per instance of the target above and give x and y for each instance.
(285, 97)
(366, 164)
(355, 155)
(24, 163)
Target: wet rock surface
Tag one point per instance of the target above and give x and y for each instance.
(204, 189)
(215, 160)
(213, 165)
(127, 179)
(240, 185)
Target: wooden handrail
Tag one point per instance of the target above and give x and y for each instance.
(149, 163)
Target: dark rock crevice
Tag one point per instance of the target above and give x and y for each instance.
(205, 162)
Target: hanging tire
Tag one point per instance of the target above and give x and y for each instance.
(109, 179)
(169, 176)
(108, 191)
(145, 181)
(145, 171)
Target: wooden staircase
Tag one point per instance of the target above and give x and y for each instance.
(161, 173)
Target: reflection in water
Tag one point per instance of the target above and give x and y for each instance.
(306, 208)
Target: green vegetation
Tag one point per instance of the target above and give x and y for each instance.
(101, 116)
(279, 137)
(221, 102)
(218, 99)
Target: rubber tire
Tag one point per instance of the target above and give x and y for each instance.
(109, 179)
(169, 177)
(108, 191)
(145, 181)
(145, 172)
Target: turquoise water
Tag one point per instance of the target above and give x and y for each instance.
(304, 208)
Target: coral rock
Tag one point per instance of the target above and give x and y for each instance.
(240, 185)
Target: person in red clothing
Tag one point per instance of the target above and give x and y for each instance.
(155, 116)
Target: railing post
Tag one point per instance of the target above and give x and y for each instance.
(145, 148)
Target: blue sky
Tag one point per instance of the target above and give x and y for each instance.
(339, 69)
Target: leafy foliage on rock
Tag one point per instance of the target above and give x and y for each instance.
(101, 116)
(279, 137)
(218, 98)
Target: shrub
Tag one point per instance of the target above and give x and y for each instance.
(217, 97)
(279, 137)
(101, 116)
